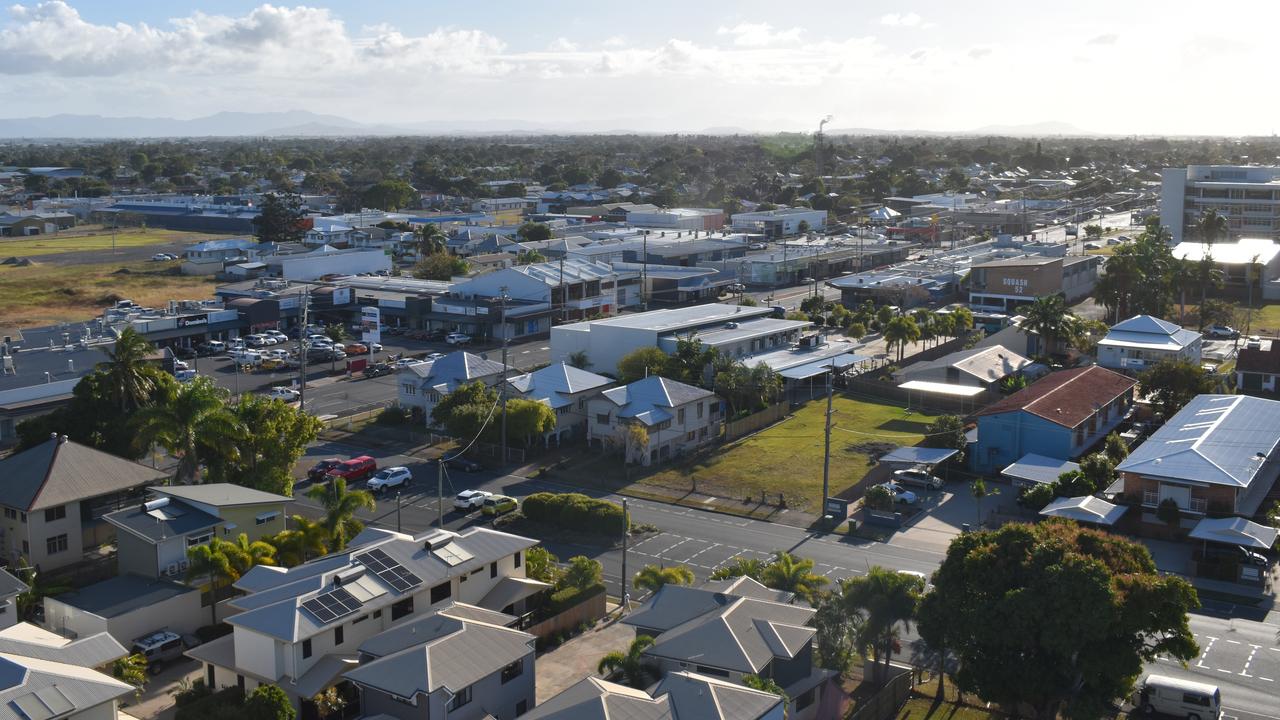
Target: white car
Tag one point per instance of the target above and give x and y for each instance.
(917, 476)
(277, 354)
(161, 257)
(374, 347)
(434, 355)
(281, 392)
(403, 363)
(276, 335)
(470, 499)
(256, 341)
(457, 338)
(899, 493)
(1254, 343)
(390, 477)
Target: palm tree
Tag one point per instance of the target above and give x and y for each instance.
(925, 321)
(340, 506)
(652, 577)
(430, 240)
(978, 488)
(244, 555)
(1047, 317)
(307, 539)
(742, 567)
(886, 599)
(192, 423)
(213, 561)
(126, 367)
(900, 331)
(788, 573)
(1211, 226)
(1207, 276)
(635, 670)
(38, 588)
(579, 360)
(1184, 274)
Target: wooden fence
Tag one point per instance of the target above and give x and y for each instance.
(592, 608)
(735, 429)
(885, 703)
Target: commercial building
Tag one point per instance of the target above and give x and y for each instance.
(1006, 285)
(677, 218)
(1247, 265)
(781, 222)
(327, 261)
(1247, 196)
(1143, 340)
(676, 417)
(535, 294)
(676, 285)
(55, 496)
(201, 213)
(1059, 416)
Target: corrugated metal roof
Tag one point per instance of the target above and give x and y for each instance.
(33, 689)
(32, 641)
(56, 473)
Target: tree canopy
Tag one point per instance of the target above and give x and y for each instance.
(440, 266)
(279, 218)
(1170, 384)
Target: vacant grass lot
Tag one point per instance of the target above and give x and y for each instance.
(94, 240)
(787, 458)
(44, 294)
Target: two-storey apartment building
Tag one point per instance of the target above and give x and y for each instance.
(676, 418)
(566, 390)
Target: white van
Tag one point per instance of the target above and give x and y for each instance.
(1178, 698)
(158, 648)
(246, 357)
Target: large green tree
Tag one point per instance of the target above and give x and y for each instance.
(279, 218)
(641, 363)
(340, 505)
(653, 577)
(899, 331)
(1055, 617)
(389, 195)
(1049, 317)
(440, 266)
(886, 600)
(463, 412)
(793, 574)
(527, 420)
(1170, 384)
(192, 423)
(265, 456)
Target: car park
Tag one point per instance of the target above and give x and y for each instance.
(899, 493)
(286, 394)
(158, 648)
(184, 353)
(498, 505)
(469, 500)
(387, 478)
(321, 469)
(457, 338)
(357, 468)
(917, 476)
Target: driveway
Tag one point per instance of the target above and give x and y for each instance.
(157, 697)
(577, 659)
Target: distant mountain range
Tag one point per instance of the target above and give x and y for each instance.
(301, 123)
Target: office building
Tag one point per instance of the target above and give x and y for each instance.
(1247, 196)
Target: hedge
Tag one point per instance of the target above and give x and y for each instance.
(226, 704)
(565, 598)
(577, 511)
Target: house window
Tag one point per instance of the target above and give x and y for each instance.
(680, 416)
(54, 514)
(400, 609)
(306, 648)
(441, 592)
(1079, 436)
(409, 389)
(699, 411)
(26, 549)
(266, 517)
(715, 672)
(602, 418)
(56, 544)
(493, 570)
(200, 539)
(10, 514)
(337, 635)
(461, 698)
(512, 671)
(805, 699)
(522, 707)
(690, 436)
(516, 557)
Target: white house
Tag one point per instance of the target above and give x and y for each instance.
(10, 588)
(676, 417)
(566, 390)
(1143, 340)
(423, 385)
(304, 627)
(43, 677)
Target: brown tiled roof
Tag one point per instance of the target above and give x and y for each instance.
(1066, 397)
(1259, 361)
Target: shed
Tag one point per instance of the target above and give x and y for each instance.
(127, 607)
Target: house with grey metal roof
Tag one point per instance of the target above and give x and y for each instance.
(39, 689)
(680, 696)
(565, 389)
(425, 384)
(731, 634)
(983, 367)
(53, 498)
(127, 607)
(447, 662)
(1143, 340)
(676, 418)
(302, 628)
(1219, 454)
(152, 537)
(10, 588)
(92, 651)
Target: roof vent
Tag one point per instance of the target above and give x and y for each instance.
(62, 439)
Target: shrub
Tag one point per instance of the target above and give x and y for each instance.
(191, 693)
(268, 702)
(577, 511)
(391, 416)
(226, 704)
(568, 597)
(879, 498)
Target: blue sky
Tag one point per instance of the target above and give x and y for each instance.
(1119, 66)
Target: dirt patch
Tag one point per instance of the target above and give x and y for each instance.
(123, 271)
(873, 450)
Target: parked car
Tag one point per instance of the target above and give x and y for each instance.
(321, 469)
(434, 356)
(498, 505)
(277, 354)
(377, 370)
(469, 500)
(162, 257)
(899, 493)
(1222, 332)
(356, 349)
(246, 357)
(457, 338)
(459, 463)
(278, 336)
(158, 648)
(406, 362)
(757, 246)
(1238, 553)
(1092, 246)
(357, 468)
(919, 477)
(286, 394)
(255, 341)
(387, 478)
(185, 375)
(184, 353)
(375, 347)
(213, 347)
(1254, 343)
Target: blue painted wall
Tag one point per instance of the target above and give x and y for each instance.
(1006, 437)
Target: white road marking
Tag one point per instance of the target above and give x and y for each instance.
(712, 547)
(1207, 648)
(660, 553)
(1254, 651)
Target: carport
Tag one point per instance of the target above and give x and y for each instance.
(927, 457)
(1236, 531)
(1032, 469)
(1085, 509)
(924, 389)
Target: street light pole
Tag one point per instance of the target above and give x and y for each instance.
(826, 455)
(502, 383)
(626, 597)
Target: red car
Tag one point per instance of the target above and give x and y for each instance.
(357, 468)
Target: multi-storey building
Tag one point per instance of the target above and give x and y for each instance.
(1247, 196)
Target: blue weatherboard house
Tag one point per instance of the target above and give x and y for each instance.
(1059, 416)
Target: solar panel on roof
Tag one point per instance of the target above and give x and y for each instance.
(388, 570)
(332, 605)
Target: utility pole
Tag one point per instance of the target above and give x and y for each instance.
(502, 384)
(302, 349)
(398, 511)
(826, 455)
(626, 597)
(644, 271)
(440, 492)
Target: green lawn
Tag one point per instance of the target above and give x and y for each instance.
(924, 709)
(787, 458)
(1266, 318)
(72, 241)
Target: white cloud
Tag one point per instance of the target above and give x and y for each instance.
(979, 52)
(561, 44)
(1103, 39)
(759, 34)
(901, 19)
(614, 41)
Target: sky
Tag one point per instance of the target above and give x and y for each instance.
(1116, 66)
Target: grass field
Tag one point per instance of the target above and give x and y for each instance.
(787, 458)
(76, 241)
(43, 294)
(925, 709)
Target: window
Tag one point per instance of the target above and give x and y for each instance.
(10, 514)
(699, 411)
(1195, 699)
(266, 517)
(517, 559)
(337, 635)
(512, 671)
(522, 707)
(493, 570)
(56, 544)
(409, 389)
(26, 549)
(715, 672)
(306, 648)
(54, 514)
(690, 436)
(360, 619)
(441, 592)
(201, 539)
(680, 416)
(805, 699)
(22, 516)
(461, 698)
(602, 418)
(400, 609)
(378, 613)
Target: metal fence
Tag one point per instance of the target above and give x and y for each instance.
(885, 703)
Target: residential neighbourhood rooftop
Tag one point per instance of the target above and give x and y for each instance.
(1066, 397)
(649, 399)
(34, 689)
(1147, 332)
(680, 696)
(35, 642)
(122, 594)
(553, 384)
(59, 471)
